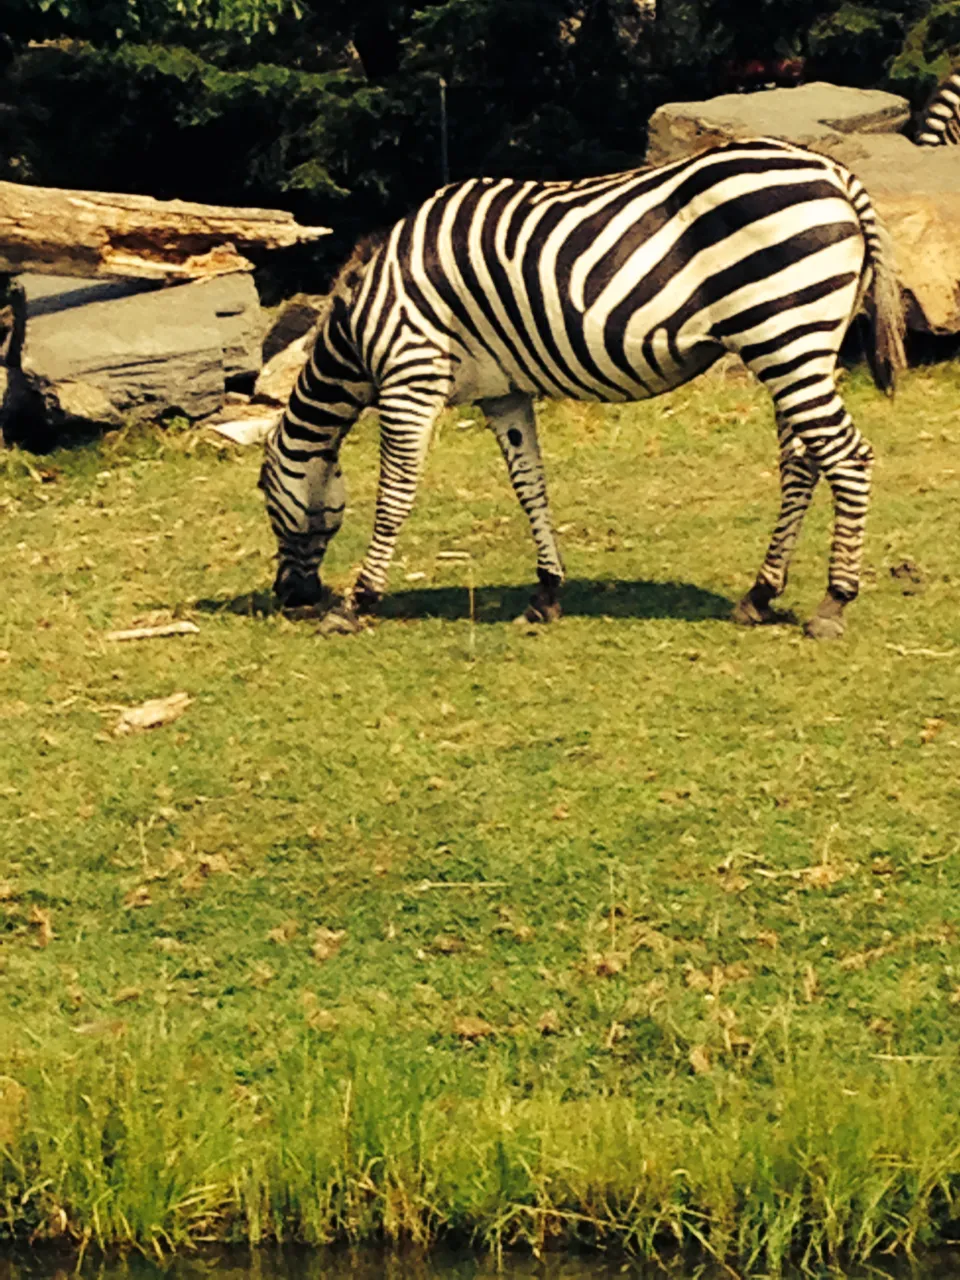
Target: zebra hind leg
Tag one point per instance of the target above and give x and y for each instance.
(841, 454)
(798, 479)
(846, 459)
(513, 422)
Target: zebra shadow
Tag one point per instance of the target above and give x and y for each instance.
(580, 597)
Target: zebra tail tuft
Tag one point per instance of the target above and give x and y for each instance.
(886, 355)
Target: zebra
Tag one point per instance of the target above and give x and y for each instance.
(610, 289)
(940, 125)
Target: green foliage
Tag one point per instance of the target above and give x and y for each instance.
(164, 106)
(118, 20)
(331, 108)
(855, 44)
(168, 122)
(931, 51)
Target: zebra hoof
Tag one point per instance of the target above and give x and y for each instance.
(746, 613)
(821, 628)
(539, 613)
(340, 621)
(365, 601)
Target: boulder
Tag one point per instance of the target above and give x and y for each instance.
(292, 319)
(105, 352)
(814, 115)
(236, 309)
(916, 190)
(279, 374)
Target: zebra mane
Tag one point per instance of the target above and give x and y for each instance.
(347, 279)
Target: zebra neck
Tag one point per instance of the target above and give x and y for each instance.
(333, 386)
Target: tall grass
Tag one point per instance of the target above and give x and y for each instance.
(152, 1146)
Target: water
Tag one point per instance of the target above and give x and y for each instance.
(295, 1264)
(368, 1264)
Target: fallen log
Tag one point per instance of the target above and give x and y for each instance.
(98, 234)
(154, 633)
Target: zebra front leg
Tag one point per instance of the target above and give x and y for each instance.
(407, 417)
(513, 422)
(798, 479)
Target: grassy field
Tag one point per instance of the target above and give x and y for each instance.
(641, 930)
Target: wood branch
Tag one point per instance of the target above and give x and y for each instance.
(98, 234)
(155, 633)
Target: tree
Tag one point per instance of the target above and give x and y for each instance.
(331, 108)
(110, 21)
(930, 52)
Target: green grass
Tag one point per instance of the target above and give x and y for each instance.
(698, 888)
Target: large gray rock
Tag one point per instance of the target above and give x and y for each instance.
(236, 308)
(292, 319)
(106, 352)
(916, 190)
(814, 115)
(279, 374)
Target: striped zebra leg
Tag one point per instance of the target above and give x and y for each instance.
(407, 417)
(846, 459)
(940, 125)
(798, 479)
(513, 422)
(810, 411)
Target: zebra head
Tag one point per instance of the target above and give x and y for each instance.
(301, 477)
(305, 498)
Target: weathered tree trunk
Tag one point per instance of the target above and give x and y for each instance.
(98, 234)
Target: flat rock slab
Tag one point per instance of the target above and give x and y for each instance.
(279, 374)
(891, 163)
(813, 115)
(244, 424)
(106, 352)
(293, 318)
(916, 190)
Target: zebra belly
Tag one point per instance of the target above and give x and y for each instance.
(483, 379)
(660, 366)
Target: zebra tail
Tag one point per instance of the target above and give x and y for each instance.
(886, 354)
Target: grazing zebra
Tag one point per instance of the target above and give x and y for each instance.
(940, 125)
(614, 288)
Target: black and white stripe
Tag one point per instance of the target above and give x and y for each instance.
(609, 289)
(940, 125)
